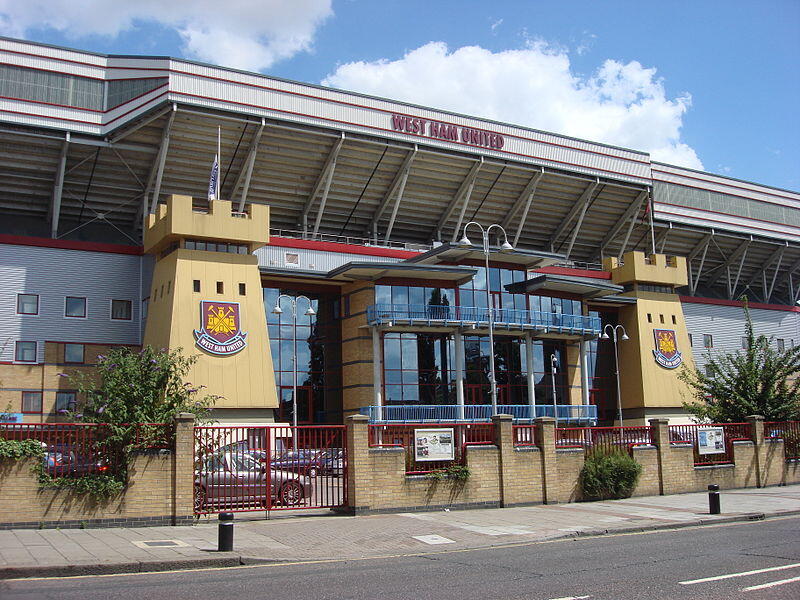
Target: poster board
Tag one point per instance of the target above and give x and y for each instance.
(433, 444)
(710, 440)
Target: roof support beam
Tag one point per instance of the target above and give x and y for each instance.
(397, 201)
(790, 281)
(464, 190)
(630, 213)
(719, 269)
(577, 228)
(400, 176)
(157, 172)
(247, 171)
(527, 197)
(732, 288)
(323, 182)
(58, 188)
(702, 246)
(578, 207)
(662, 238)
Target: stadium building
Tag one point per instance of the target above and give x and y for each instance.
(415, 255)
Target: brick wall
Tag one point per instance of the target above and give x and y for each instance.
(504, 475)
(159, 492)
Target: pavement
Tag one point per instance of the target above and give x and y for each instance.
(307, 536)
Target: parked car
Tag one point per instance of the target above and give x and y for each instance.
(61, 460)
(303, 461)
(237, 479)
(331, 462)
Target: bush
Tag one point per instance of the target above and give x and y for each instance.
(609, 473)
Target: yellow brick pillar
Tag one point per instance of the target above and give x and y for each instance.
(183, 470)
(545, 428)
(504, 440)
(757, 435)
(359, 468)
(661, 441)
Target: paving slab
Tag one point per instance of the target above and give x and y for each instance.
(314, 535)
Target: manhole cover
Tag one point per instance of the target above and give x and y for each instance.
(161, 544)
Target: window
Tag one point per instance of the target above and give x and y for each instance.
(73, 353)
(65, 401)
(661, 317)
(690, 341)
(781, 345)
(25, 352)
(121, 310)
(744, 342)
(649, 318)
(242, 289)
(27, 304)
(32, 402)
(145, 306)
(220, 288)
(196, 285)
(708, 340)
(291, 259)
(674, 322)
(75, 307)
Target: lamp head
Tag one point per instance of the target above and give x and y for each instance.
(277, 310)
(624, 337)
(505, 247)
(604, 336)
(464, 242)
(310, 312)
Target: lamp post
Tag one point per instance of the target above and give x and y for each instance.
(615, 329)
(277, 310)
(504, 247)
(553, 369)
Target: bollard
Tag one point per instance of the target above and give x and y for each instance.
(713, 499)
(225, 538)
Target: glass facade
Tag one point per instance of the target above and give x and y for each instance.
(601, 364)
(316, 339)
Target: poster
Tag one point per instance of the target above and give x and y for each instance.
(711, 440)
(433, 444)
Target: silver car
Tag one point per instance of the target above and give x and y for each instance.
(237, 480)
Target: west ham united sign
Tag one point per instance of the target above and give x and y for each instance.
(220, 328)
(666, 352)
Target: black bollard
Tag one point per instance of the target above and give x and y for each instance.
(225, 539)
(713, 499)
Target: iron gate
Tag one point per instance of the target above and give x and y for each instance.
(248, 468)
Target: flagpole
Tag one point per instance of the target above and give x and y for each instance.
(219, 158)
(652, 229)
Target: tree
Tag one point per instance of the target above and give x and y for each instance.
(758, 380)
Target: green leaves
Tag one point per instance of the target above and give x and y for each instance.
(758, 380)
(15, 450)
(609, 473)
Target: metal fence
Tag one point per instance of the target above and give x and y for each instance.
(607, 438)
(706, 453)
(789, 432)
(78, 449)
(396, 436)
(246, 468)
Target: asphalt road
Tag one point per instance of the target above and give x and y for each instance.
(661, 564)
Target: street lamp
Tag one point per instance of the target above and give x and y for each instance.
(615, 329)
(309, 313)
(504, 247)
(553, 369)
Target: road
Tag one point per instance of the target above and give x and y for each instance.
(661, 564)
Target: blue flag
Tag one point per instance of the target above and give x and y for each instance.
(212, 181)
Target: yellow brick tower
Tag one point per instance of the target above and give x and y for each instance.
(206, 298)
(658, 348)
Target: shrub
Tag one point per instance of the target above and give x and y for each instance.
(609, 473)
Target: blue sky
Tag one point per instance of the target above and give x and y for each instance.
(705, 84)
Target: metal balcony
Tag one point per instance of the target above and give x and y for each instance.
(477, 317)
(583, 414)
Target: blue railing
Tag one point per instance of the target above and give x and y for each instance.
(426, 314)
(475, 413)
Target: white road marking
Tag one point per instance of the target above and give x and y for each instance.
(572, 598)
(433, 539)
(764, 586)
(742, 574)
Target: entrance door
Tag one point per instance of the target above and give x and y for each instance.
(305, 405)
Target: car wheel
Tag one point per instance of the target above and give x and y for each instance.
(291, 493)
(312, 472)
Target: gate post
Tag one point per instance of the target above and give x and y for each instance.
(660, 429)
(759, 450)
(183, 470)
(504, 440)
(359, 471)
(546, 440)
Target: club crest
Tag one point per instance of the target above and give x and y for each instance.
(220, 328)
(666, 352)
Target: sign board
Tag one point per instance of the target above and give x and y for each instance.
(434, 444)
(10, 417)
(220, 330)
(666, 352)
(711, 440)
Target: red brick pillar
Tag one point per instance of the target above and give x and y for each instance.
(546, 440)
(359, 473)
(504, 440)
(183, 470)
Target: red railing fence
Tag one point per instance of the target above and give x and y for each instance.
(691, 434)
(608, 438)
(464, 434)
(789, 432)
(247, 468)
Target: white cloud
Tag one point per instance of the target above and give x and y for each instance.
(495, 25)
(247, 34)
(623, 104)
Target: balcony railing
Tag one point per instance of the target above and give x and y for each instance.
(475, 413)
(503, 318)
